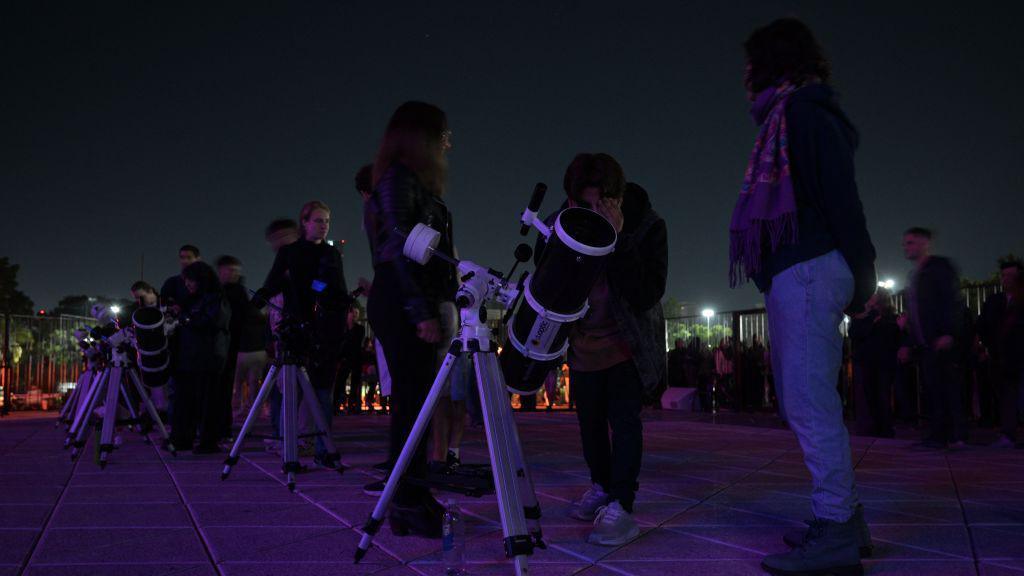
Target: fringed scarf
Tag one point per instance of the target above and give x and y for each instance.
(766, 208)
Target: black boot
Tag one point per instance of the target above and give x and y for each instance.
(795, 538)
(420, 519)
(830, 548)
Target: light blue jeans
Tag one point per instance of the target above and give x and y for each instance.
(805, 308)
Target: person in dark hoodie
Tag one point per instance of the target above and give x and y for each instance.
(935, 326)
(1001, 330)
(617, 351)
(201, 353)
(798, 231)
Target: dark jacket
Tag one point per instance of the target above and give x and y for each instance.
(875, 343)
(202, 334)
(299, 270)
(1001, 330)
(830, 216)
(637, 272)
(173, 291)
(401, 202)
(248, 324)
(935, 303)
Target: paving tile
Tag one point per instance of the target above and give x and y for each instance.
(994, 512)
(122, 478)
(919, 567)
(998, 541)
(33, 493)
(122, 495)
(714, 515)
(691, 567)
(152, 569)
(15, 544)
(76, 515)
(662, 544)
(291, 568)
(1001, 568)
(921, 542)
(537, 568)
(228, 492)
(209, 514)
(23, 515)
(119, 545)
(277, 544)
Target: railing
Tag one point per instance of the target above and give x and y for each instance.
(39, 360)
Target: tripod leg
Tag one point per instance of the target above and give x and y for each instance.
(419, 428)
(290, 403)
(232, 458)
(151, 410)
(110, 415)
(531, 506)
(313, 404)
(83, 423)
(497, 410)
(129, 402)
(76, 393)
(83, 409)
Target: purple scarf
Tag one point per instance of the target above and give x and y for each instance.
(766, 208)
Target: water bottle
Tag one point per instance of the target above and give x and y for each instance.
(453, 541)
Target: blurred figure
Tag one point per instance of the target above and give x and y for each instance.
(935, 326)
(409, 175)
(247, 355)
(1001, 330)
(875, 341)
(173, 291)
(351, 367)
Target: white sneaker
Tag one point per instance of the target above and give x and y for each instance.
(613, 526)
(585, 508)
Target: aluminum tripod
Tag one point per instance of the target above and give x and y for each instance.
(517, 501)
(113, 384)
(291, 377)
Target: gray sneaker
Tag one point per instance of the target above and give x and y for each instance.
(613, 526)
(585, 508)
(828, 548)
(795, 538)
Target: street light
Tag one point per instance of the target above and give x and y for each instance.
(115, 309)
(888, 284)
(707, 313)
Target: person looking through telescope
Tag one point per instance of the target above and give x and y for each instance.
(409, 176)
(616, 352)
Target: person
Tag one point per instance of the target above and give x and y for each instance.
(351, 366)
(1001, 330)
(247, 355)
(144, 294)
(201, 352)
(173, 291)
(449, 419)
(874, 340)
(616, 352)
(724, 370)
(310, 275)
(753, 375)
(676, 362)
(409, 175)
(935, 327)
(799, 232)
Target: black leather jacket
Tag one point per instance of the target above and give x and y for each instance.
(401, 201)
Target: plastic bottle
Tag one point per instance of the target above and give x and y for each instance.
(453, 541)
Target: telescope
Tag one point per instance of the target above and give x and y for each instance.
(578, 244)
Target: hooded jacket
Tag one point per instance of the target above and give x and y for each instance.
(830, 215)
(637, 272)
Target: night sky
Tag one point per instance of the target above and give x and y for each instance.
(131, 129)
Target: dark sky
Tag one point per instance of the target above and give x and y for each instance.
(130, 129)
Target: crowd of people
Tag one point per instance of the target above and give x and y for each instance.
(798, 232)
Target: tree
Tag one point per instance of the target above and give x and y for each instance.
(12, 300)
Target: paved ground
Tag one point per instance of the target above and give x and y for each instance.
(714, 498)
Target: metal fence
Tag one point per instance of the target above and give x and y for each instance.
(39, 360)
